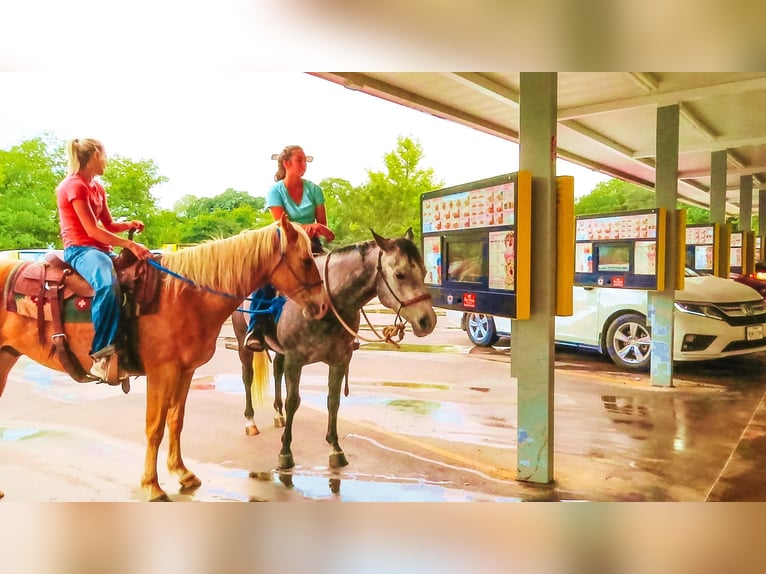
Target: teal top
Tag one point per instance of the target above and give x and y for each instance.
(305, 213)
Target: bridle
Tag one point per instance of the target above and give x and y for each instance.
(397, 329)
(402, 304)
(304, 286)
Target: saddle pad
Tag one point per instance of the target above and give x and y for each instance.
(76, 309)
(22, 292)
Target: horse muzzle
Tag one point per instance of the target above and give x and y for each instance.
(424, 324)
(316, 310)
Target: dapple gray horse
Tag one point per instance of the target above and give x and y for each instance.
(392, 270)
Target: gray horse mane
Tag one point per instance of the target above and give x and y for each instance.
(407, 247)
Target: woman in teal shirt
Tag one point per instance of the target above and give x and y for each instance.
(303, 201)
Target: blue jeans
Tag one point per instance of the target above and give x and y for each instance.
(263, 297)
(96, 268)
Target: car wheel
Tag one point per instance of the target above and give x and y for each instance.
(481, 329)
(628, 342)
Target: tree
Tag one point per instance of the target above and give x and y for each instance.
(191, 206)
(29, 174)
(389, 202)
(616, 195)
(226, 214)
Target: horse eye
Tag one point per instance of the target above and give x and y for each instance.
(399, 275)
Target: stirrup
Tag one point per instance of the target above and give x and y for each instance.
(253, 343)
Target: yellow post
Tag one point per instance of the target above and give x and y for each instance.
(523, 244)
(565, 241)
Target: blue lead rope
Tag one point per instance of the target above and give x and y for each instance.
(259, 306)
(153, 263)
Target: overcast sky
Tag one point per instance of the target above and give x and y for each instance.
(211, 131)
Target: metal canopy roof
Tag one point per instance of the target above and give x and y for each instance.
(607, 120)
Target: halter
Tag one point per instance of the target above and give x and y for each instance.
(304, 286)
(402, 304)
(397, 329)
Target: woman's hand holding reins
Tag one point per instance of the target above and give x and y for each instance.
(319, 230)
(137, 249)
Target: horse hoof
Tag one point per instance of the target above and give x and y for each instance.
(286, 461)
(189, 482)
(279, 421)
(252, 430)
(160, 498)
(337, 460)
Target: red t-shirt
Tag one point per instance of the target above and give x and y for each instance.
(72, 232)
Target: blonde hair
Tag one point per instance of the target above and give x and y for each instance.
(286, 154)
(79, 153)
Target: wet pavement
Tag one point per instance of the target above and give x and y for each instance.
(436, 422)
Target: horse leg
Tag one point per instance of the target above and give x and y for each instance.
(246, 358)
(335, 380)
(175, 421)
(292, 372)
(279, 371)
(7, 360)
(157, 402)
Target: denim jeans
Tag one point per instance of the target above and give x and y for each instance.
(262, 297)
(96, 268)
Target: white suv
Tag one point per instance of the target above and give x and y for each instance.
(714, 318)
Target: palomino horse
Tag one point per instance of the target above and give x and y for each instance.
(392, 270)
(181, 336)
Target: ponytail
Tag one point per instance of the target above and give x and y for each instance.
(79, 153)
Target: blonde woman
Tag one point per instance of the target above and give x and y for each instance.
(89, 232)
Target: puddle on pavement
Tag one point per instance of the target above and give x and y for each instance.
(348, 489)
(415, 407)
(7, 434)
(435, 386)
(412, 348)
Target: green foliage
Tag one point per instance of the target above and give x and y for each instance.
(616, 195)
(388, 203)
(191, 206)
(612, 196)
(128, 186)
(224, 215)
(29, 173)
(696, 214)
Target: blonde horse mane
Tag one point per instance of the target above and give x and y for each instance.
(227, 264)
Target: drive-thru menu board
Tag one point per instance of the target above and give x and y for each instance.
(742, 253)
(623, 250)
(475, 236)
(701, 243)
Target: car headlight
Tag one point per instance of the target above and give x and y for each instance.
(701, 309)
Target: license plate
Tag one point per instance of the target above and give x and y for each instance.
(754, 332)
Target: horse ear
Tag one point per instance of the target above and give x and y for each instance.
(383, 243)
(408, 234)
(287, 227)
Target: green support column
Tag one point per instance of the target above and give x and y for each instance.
(661, 302)
(532, 349)
(746, 203)
(718, 186)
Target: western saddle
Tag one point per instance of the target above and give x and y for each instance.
(49, 283)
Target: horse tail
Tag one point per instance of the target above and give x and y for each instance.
(260, 377)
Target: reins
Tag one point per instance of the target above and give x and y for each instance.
(389, 332)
